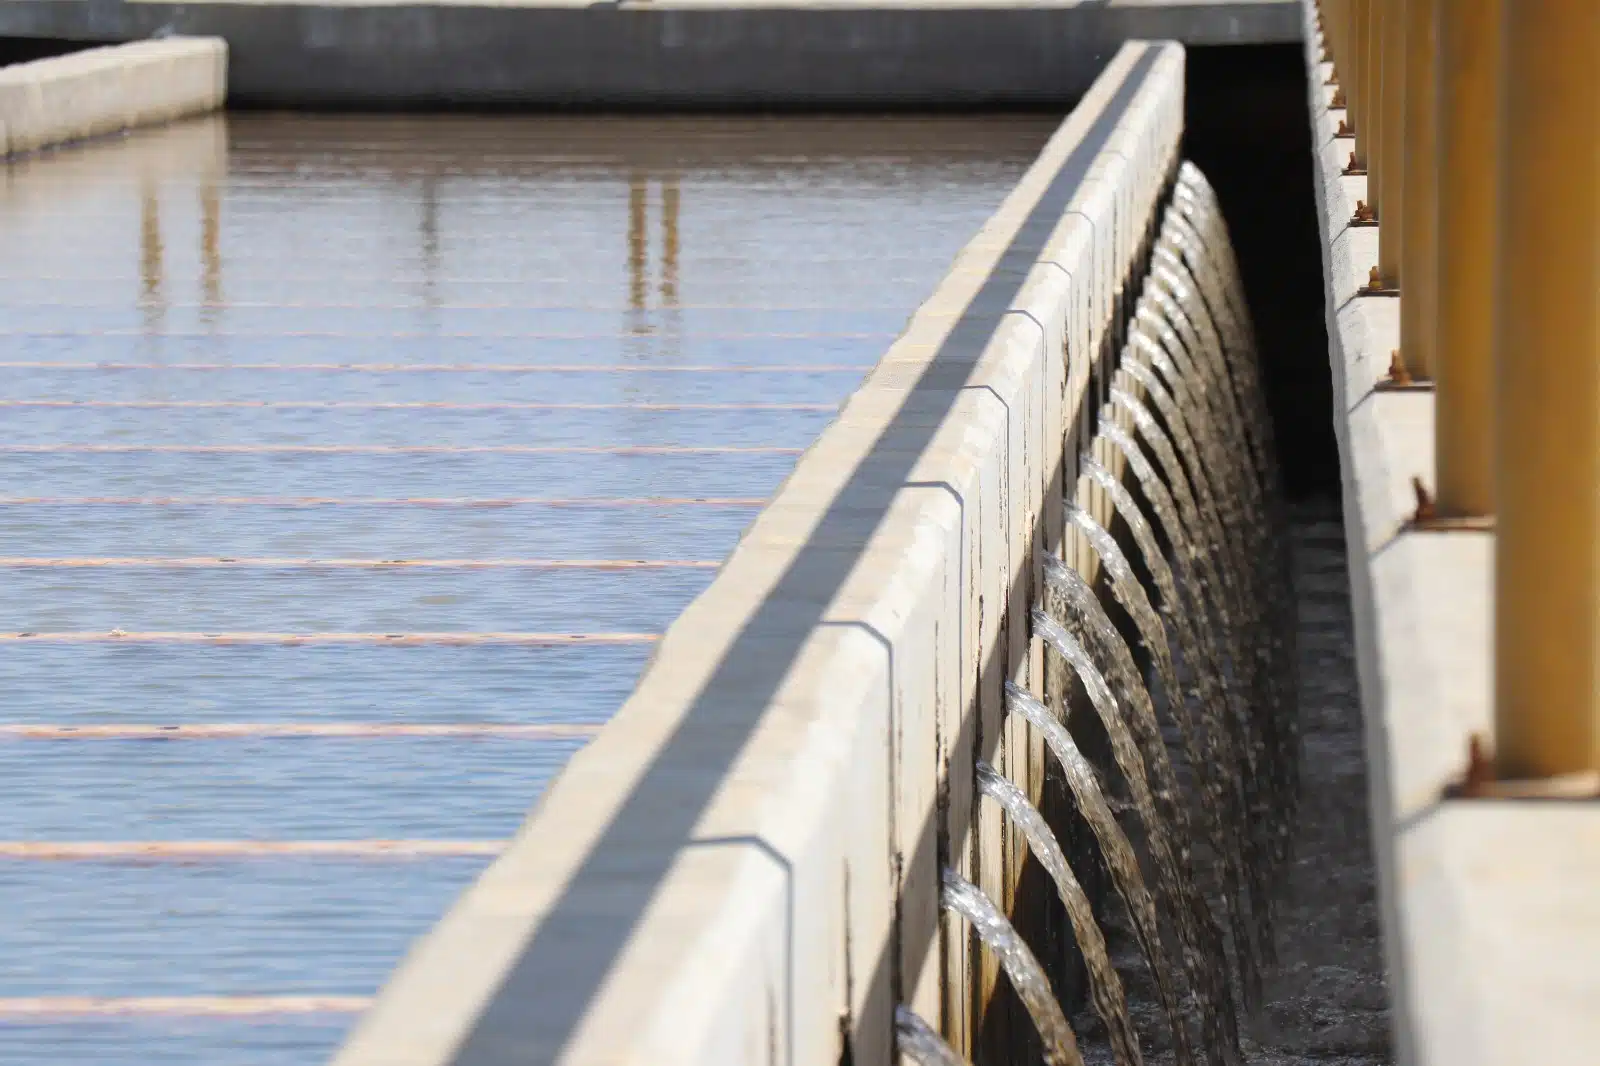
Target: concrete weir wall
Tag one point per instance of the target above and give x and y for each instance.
(662, 53)
(744, 865)
(106, 90)
(1490, 909)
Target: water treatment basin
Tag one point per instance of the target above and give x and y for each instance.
(353, 466)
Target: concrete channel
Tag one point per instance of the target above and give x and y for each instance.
(377, 476)
(1491, 918)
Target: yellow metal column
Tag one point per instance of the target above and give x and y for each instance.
(1547, 378)
(1468, 124)
(1391, 128)
(1333, 17)
(1325, 17)
(1419, 253)
(1361, 84)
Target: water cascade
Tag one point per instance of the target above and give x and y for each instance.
(919, 1042)
(1217, 627)
(1236, 732)
(1221, 737)
(1105, 987)
(1132, 733)
(1120, 857)
(1199, 517)
(1028, 979)
(1208, 749)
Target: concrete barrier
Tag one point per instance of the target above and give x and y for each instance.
(105, 90)
(743, 867)
(663, 53)
(1491, 909)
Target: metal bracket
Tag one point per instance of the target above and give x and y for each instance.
(1376, 287)
(1399, 379)
(1478, 781)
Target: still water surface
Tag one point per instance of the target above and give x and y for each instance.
(278, 350)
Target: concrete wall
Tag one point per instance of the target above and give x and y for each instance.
(105, 90)
(664, 53)
(1491, 909)
(743, 866)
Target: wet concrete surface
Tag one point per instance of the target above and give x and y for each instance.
(247, 358)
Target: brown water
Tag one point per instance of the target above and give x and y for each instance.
(247, 363)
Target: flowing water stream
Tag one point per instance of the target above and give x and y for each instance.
(1243, 592)
(920, 1042)
(1105, 987)
(1219, 740)
(966, 899)
(1204, 961)
(1120, 858)
(1209, 760)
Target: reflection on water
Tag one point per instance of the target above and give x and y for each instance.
(210, 250)
(289, 340)
(669, 242)
(150, 274)
(1327, 1004)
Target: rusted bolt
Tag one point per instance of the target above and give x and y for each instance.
(1364, 212)
(1480, 771)
(1398, 374)
(1375, 285)
(1426, 511)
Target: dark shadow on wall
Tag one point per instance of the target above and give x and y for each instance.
(26, 49)
(1246, 128)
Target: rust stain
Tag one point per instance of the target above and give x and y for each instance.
(222, 562)
(319, 305)
(124, 850)
(291, 639)
(69, 1008)
(404, 449)
(230, 730)
(457, 368)
(517, 335)
(429, 405)
(382, 501)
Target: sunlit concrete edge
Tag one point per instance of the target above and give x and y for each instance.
(107, 90)
(826, 697)
(1491, 920)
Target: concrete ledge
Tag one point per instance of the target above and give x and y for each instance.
(669, 54)
(105, 90)
(743, 866)
(1491, 910)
